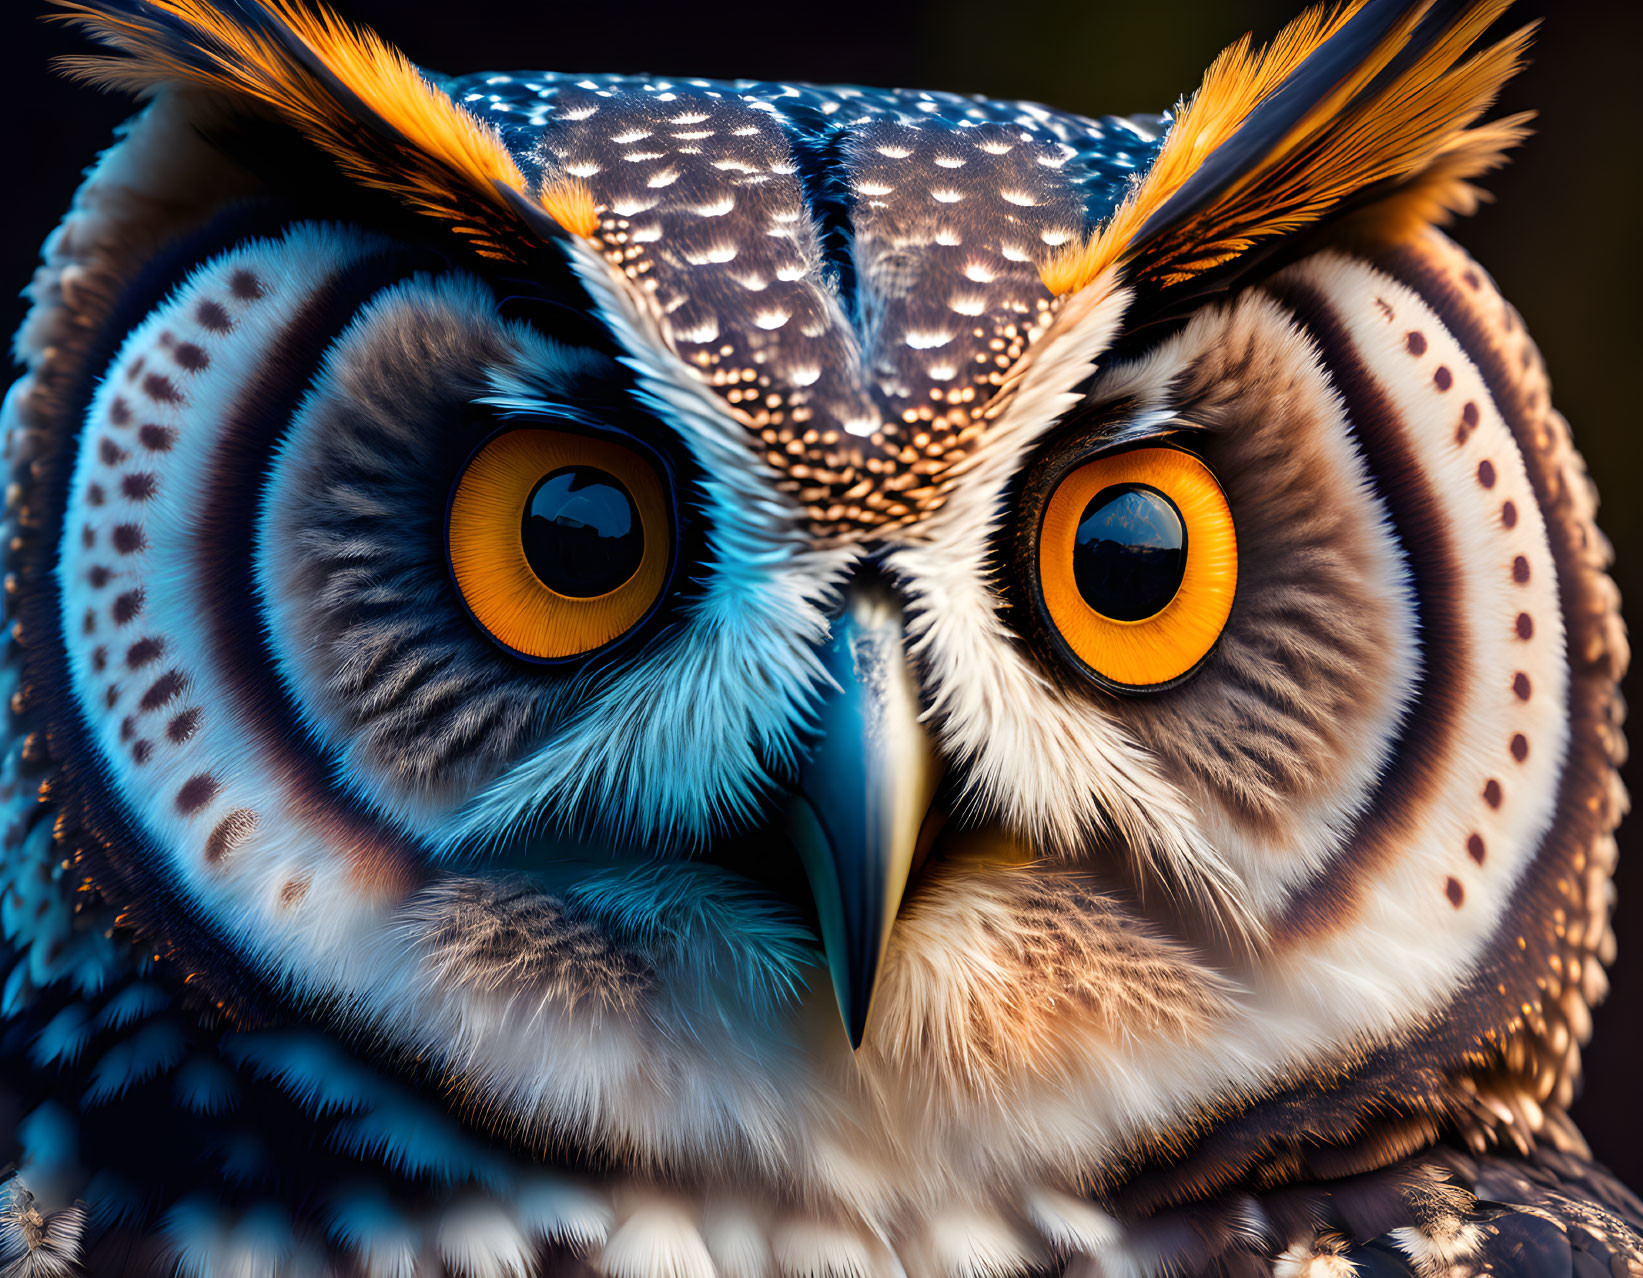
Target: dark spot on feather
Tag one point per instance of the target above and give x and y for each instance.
(1486, 473)
(94, 495)
(184, 726)
(143, 652)
(254, 424)
(1508, 515)
(136, 369)
(127, 606)
(191, 357)
(1520, 747)
(128, 728)
(119, 412)
(1469, 413)
(213, 317)
(111, 453)
(98, 576)
(1443, 379)
(1491, 794)
(197, 791)
(1453, 890)
(99, 659)
(166, 688)
(88, 537)
(141, 750)
(1520, 686)
(1525, 626)
(139, 486)
(129, 539)
(233, 830)
(1474, 847)
(111, 695)
(245, 286)
(161, 389)
(1520, 570)
(1415, 342)
(88, 624)
(157, 439)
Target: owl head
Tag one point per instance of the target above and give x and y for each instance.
(889, 676)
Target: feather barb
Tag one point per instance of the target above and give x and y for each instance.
(1371, 101)
(344, 89)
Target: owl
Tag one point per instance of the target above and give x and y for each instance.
(673, 678)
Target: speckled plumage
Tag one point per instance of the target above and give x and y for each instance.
(883, 332)
(340, 938)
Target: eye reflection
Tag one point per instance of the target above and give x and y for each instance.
(581, 532)
(1130, 552)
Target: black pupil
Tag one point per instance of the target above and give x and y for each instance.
(581, 532)
(1131, 552)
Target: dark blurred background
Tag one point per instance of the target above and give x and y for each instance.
(1564, 240)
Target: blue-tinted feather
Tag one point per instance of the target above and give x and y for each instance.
(139, 1000)
(153, 1049)
(313, 1070)
(204, 1086)
(415, 1141)
(63, 1038)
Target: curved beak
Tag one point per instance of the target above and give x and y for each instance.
(863, 795)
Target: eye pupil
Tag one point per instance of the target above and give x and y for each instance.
(581, 532)
(1130, 552)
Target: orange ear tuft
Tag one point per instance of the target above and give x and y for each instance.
(570, 204)
(345, 90)
(1368, 101)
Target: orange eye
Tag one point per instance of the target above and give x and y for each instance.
(1138, 565)
(560, 543)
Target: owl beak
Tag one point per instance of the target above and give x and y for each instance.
(863, 795)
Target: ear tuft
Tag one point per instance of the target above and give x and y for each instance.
(570, 204)
(1366, 108)
(345, 90)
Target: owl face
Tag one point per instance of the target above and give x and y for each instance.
(887, 650)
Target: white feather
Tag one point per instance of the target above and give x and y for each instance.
(478, 1239)
(655, 1239)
